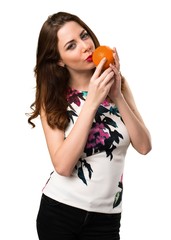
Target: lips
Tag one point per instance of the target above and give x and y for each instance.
(89, 59)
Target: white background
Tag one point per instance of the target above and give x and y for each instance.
(140, 30)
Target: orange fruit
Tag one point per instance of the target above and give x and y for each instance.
(101, 52)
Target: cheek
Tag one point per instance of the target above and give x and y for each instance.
(72, 58)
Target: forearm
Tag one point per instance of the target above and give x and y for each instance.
(67, 155)
(139, 134)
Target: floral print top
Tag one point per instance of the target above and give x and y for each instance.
(96, 182)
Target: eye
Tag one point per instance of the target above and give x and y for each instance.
(71, 46)
(85, 35)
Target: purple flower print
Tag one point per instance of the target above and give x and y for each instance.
(105, 103)
(97, 136)
(73, 96)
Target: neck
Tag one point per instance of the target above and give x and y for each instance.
(80, 81)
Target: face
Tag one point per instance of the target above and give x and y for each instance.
(75, 47)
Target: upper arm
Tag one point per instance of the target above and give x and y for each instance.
(130, 100)
(54, 137)
(137, 128)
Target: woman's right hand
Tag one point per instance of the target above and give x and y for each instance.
(100, 84)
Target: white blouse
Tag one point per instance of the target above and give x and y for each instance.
(96, 182)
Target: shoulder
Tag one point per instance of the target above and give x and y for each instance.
(49, 131)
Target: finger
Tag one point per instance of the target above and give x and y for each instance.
(116, 57)
(106, 79)
(106, 72)
(116, 53)
(99, 68)
(115, 69)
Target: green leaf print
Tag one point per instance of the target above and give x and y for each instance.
(71, 114)
(81, 171)
(101, 110)
(109, 121)
(118, 195)
(81, 174)
(118, 199)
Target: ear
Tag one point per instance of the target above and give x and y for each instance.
(61, 63)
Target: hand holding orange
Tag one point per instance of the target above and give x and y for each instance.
(101, 52)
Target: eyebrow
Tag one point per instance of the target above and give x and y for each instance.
(82, 32)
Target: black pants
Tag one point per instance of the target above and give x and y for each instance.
(57, 221)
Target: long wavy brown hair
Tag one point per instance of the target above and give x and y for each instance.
(51, 79)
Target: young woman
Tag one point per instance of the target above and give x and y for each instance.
(89, 118)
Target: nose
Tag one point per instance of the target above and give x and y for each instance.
(85, 47)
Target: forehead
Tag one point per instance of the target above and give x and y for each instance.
(69, 31)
